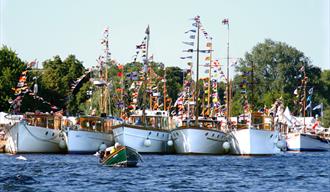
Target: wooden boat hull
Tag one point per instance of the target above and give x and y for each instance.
(123, 157)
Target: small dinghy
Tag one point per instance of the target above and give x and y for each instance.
(120, 156)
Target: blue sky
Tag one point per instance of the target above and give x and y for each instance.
(41, 29)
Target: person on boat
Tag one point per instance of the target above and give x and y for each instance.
(316, 124)
(117, 146)
(110, 150)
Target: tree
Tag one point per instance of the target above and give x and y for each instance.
(57, 78)
(324, 97)
(174, 82)
(273, 69)
(11, 67)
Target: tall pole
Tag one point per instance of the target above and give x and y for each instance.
(122, 92)
(145, 70)
(252, 87)
(197, 72)
(164, 89)
(150, 93)
(209, 83)
(304, 101)
(228, 78)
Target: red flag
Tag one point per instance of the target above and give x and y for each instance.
(22, 79)
(120, 67)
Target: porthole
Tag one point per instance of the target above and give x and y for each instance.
(157, 134)
(213, 135)
(218, 136)
(53, 134)
(46, 133)
(206, 134)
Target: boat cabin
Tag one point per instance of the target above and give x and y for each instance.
(256, 119)
(156, 119)
(46, 120)
(94, 123)
(207, 123)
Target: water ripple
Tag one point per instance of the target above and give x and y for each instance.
(284, 172)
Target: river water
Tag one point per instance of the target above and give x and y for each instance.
(283, 172)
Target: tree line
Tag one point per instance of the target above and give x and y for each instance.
(271, 70)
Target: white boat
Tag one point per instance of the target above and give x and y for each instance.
(253, 141)
(302, 134)
(154, 137)
(90, 134)
(36, 133)
(258, 139)
(204, 139)
(306, 142)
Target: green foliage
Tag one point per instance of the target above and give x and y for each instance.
(11, 67)
(174, 82)
(57, 78)
(326, 118)
(275, 73)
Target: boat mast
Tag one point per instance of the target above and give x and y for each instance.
(197, 72)
(304, 101)
(226, 22)
(209, 82)
(164, 91)
(145, 70)
(122, 92)
(150, 93)
(252, 87)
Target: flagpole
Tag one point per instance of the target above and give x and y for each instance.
(145, 68)
(197, 71)
(311, 112)
(228, 81)
(209, 83)
(304, 101)
(164, 88)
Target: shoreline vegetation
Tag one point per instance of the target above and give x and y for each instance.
(63, 84)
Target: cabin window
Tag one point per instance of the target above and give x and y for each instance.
(50, 123)
(207, 133)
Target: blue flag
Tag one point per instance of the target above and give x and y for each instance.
(310, 91)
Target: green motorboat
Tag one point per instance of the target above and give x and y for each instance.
(122, 156)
